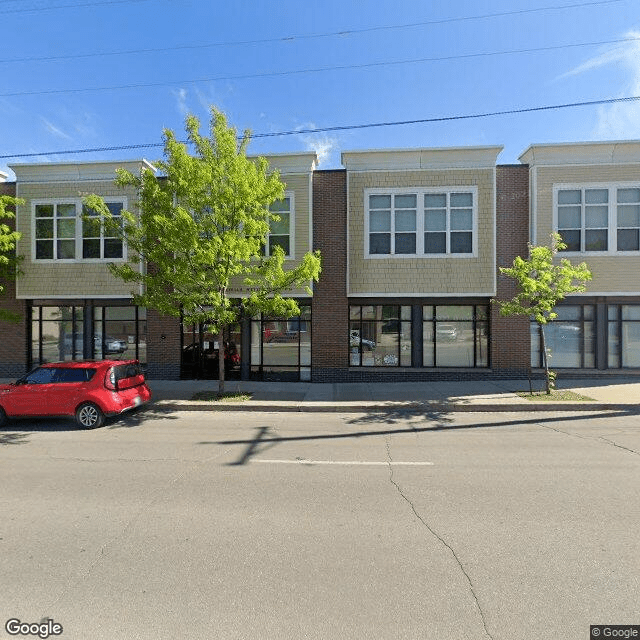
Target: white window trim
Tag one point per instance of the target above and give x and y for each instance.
(612, 218)
(292, 227)
(420, 192)
(78, 202)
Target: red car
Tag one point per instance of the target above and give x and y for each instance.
(88, 390)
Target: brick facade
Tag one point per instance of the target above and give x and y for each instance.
(163, 346)
(510, 341)
(330, 316)
(512, 204)
(13, 345)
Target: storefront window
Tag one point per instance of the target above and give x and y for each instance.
(623, 336)
(455, 336)
(72, 332)
(380, 335)
(281, 347)
(570, 338)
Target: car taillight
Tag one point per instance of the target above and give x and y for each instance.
(110, 379)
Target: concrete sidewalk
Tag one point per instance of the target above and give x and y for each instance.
(622, 394)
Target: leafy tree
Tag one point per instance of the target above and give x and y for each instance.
(202, 229)
(9, 262)
(542, 284)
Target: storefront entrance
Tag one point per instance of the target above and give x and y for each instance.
(200, 352)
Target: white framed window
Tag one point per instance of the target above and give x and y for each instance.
(59, 232)
(426, 222)
(598, 219)
(281, 232)
(98, 242)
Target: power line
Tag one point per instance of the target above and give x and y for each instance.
(293, 38)
(71, 6)
(472, 116)
(272, 74)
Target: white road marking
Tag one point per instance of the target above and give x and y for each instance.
(345, 462)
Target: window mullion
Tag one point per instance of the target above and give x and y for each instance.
(448, 224)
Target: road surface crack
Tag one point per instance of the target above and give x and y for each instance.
(438, 537)
(608, 442)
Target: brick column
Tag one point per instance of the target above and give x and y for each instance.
(510, 341)
(330, 319)
(163, 346)
(13, 336)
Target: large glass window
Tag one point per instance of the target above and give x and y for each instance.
(281, 230)
(603, 219)
(120, 332)
(62, 233)
(70, 332)
(448, 223)
(97, 241)
(380, 335)
(455, 336)
(55, 231)
(281, 347)
(422, 222)
(623, 336)
(570, 338)
(628, 213)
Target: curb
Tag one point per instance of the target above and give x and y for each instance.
(388, 407)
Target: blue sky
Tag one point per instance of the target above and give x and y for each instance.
(259, 62)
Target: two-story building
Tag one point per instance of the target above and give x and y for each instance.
(411, 240)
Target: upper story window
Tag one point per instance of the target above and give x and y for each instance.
(598, 219)
(281, 231)
(421, 222)
(60, 233)
(98, 242)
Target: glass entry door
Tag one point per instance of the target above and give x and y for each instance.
(200, 352)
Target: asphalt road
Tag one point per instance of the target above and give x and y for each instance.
(292, 526)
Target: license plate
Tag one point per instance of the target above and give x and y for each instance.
(137, 401)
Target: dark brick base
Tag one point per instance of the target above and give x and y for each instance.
(12, 369)
(163, 371)
(413, 375)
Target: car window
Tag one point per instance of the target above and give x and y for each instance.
(42, 375)
(127, 371)
(73, 375)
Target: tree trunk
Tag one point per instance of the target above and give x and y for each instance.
(221, 360)
(545, 360)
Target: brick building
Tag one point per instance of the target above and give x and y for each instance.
(411, 241)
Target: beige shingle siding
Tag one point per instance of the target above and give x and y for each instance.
(69, 279)
(613, 273)
(299, 185)
(422, 275)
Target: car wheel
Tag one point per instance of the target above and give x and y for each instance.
(3, 417)
(89, 416)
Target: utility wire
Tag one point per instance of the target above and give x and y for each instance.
(488, 114)
(293, 38)
(272, 74)
(72, 6)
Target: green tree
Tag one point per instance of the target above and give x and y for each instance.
(9, 261)
(202, 228)
(542, 284)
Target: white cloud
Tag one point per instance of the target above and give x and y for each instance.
(323, 144)
(56, 131)
(181, 101)
(620, 120)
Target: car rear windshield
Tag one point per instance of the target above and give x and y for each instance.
(127, 370)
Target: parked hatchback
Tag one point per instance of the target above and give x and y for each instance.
(89, 390)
